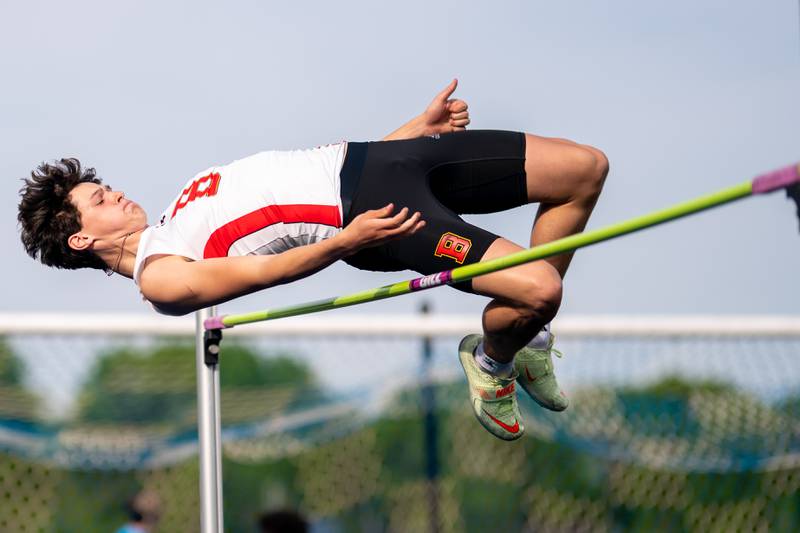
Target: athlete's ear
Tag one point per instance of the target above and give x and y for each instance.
(80, 241)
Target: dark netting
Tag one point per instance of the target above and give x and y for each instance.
(697, 433)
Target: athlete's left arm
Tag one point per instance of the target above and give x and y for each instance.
(443, 115)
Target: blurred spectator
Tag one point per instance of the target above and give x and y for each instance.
(282, 522)
(143, 510)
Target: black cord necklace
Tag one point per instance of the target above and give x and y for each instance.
(121, 251)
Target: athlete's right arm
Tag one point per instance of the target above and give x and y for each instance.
(176, 285)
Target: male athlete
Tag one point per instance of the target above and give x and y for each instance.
(277, 217)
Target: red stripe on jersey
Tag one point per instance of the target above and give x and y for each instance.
(223, 238)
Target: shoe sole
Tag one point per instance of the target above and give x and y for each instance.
(555, 409)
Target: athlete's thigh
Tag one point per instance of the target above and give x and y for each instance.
(479, 171)
(487, 171)
(509, 283)
(447, 148)
(555, 168)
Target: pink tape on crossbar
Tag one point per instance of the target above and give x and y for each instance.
(777, 179)
(215, 322)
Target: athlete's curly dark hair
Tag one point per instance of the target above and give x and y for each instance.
(47, 216)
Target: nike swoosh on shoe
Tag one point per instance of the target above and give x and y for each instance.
(510, 429)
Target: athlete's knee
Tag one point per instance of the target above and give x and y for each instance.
(593, 167)
(601, 164)
(541, 294)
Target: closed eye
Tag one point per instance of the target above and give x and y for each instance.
(102, 194)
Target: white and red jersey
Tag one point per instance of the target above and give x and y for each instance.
(262, 204)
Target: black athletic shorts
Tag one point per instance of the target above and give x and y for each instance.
(442, 177)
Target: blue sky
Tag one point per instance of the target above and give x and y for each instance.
(685, 98)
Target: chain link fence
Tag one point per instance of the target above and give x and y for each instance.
(363, 424)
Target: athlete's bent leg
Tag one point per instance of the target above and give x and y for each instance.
(525, 298)
(566, 178)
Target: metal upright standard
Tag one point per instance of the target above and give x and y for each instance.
(431, 442)
(208, 424)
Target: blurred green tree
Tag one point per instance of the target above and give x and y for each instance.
(152, 391)
(158, 385)
(16, 401)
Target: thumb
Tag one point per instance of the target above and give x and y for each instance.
(450, 89)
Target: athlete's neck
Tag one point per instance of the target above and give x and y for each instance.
(122, 257)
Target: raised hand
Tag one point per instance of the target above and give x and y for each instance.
(444, 114)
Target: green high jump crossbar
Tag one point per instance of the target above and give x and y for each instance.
(787, 178)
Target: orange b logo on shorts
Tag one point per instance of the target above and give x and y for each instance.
(453, 246)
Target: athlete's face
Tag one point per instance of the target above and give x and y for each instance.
(106, 215)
